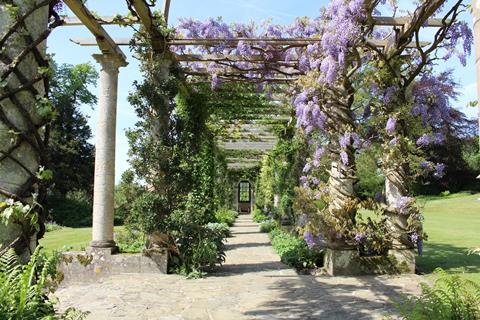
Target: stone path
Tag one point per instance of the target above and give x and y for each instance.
(252, 284)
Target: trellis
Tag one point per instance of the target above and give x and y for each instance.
(23, 86)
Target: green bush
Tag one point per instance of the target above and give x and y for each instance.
(451, 297)
(130, 241)
(24, 289)
(201, 249)
(52, 226)
(74, 210)
(267, 226)
(294, 251)
(259, 216)
(227, 216)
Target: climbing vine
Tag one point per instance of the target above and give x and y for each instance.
(25, 112)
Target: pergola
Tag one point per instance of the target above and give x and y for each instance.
(112, 58)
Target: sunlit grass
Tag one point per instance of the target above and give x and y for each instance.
(73, 239)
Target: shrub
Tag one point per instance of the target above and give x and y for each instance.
(52, 226)
(451, 297)
(227, 216)
(259, 216)
(294, 251)
(24, 289)
(201, 249)
(130, 241)
(74, 210)
(267, 226)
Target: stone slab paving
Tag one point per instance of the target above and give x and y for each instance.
(252, 284)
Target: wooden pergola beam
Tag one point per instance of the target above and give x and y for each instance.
(166, 10)
(146, 18)
(402, 21)
(300, 42)
(107, 20)
(102, 38)
(378, 21)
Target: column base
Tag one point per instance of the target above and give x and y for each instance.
(104, 246)
(351, 263)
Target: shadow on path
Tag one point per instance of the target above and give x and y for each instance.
(307, 297)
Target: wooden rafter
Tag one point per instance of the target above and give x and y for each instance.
(145, 16)
(292, 42)
(107, 20)
(166, 10)
(102, 38)
(379, 20)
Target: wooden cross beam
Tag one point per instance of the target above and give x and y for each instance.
(293, 42)
(102, 38)
(107, 20)
(378, 21)
(145, 16)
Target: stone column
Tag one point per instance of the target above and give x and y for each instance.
(476, 33)
(104, 184)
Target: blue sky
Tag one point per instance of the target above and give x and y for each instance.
(280, 11)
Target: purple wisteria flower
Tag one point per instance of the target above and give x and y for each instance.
(359, 237)
(438, 138)
(393, 142)
(311, 240)
(390, 128)
(319, 153)
(403, 203)
(439, 170)
(307, 167)
(344, 140)
(424, 140)
(425, 165)
(344, 157)
(414, 237)
(303, 179)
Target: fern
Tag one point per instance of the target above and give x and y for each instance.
(450, 298)
(24, 289)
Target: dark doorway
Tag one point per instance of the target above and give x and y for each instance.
(244, 197)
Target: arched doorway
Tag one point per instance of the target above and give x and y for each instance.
(244, 197)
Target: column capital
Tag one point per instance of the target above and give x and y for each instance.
(110, 62)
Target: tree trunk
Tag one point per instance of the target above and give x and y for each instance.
(395, 188)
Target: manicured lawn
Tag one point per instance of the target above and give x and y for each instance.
(453, 226)
(67, 239)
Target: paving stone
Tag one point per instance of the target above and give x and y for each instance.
(252, 284)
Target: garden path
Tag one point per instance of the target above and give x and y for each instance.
(252, 284)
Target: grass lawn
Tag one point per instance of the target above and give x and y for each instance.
(68, 239)
(453, 227)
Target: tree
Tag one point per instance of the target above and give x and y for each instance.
(72, 156)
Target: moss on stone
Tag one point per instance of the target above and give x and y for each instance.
(84, 260)
(386, 264)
